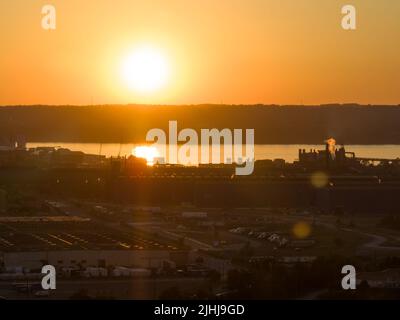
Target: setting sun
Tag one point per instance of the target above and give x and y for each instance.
(145, 70)
(146, 152)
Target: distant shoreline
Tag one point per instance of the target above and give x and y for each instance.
(288, 152)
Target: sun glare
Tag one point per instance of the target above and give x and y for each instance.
(146, 152)
(145, 70)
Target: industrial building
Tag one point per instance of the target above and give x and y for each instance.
(76, 242)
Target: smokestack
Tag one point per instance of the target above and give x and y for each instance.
(331, 147)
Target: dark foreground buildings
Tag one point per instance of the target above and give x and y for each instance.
(330, 179)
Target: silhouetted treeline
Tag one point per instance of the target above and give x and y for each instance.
(349, 124)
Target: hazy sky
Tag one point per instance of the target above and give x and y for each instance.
(225, 51)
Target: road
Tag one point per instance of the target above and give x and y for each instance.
(375, 242)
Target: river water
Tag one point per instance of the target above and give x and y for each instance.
(288, 152)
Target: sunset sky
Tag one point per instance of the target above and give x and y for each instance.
(226, 51)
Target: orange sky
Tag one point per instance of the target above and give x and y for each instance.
(226, 51)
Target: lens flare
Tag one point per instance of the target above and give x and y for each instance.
(319, 179)
(302, 230)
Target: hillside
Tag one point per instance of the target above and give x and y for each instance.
(349, 124)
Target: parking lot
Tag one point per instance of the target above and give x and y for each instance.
(74, 235)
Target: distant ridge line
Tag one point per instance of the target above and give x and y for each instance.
(273, 124)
